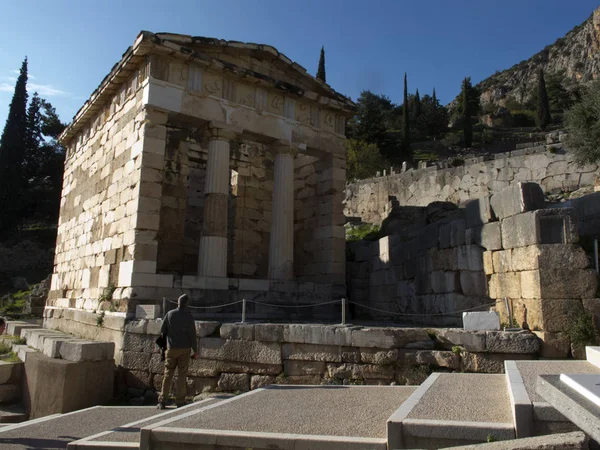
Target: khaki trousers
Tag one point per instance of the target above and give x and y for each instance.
(175, 358)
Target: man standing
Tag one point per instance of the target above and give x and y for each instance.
(179, 328)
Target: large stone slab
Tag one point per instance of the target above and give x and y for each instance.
(87, 351)
(549, 256)
(240, 351)
(559, 283)
(318, 334)
(388, 337)
(545, 226)
(471, 341)
(523, 342)
(516, 199)
(312, 352)
(478, 212)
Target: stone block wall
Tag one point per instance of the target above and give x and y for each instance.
(240, 357)
(554, 171)
(498, 248)
(102, 189)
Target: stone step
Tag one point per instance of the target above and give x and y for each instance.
(14, 327)
(128, 435)
(532, 414)
(451, 409)
(592, 355)
(14, 413)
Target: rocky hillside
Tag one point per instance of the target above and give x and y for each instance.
(577, 55)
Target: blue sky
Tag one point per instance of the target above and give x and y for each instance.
(72, 45)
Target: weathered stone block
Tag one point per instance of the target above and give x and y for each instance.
(205, 327)
(139, 343)
(10, 372)
(9, 393)
(258, 381)
(240, 351)
(232, 382)
(435, 358)
(445, 281)
(549, 256)
(488, 264)
(360, 371)
(87, 351)
(478, 212)
(559, 283)
(470, 257)
(547, 226)
(387, 337)
(487, 362)
(269, 332)
(516, 199)
(505, 285)
(243, 331)
(312, 352)
(378, 356)
(471, 341)
(473, 283)
(488, 236)
(294, 368)
(318, 334)
(523, 342)
(136, 360)
(552, 315)
(503, 261)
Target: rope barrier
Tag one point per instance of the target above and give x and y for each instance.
(343, 301)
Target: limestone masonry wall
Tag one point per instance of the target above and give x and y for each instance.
(99, 204)
(497, 247)
(240, 357)
(554, 171)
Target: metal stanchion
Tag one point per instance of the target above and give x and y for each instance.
(164, 307)
(596, 256)
(343, 311)
(243, 310)
(508, 311)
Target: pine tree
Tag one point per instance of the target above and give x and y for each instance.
(405, 122)
(321, 70)
(417, 106)
(12, 153)
(467, 126)
(543, 105)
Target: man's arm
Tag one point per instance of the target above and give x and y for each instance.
(164, 328)
(192, 335)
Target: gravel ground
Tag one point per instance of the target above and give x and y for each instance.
(58, 432)
(465, 397)
(531, 369)
(324, 410)
(132, 433)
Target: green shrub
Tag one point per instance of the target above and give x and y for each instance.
(451, 140)
(552, 149)
(582, 332)
(365, 232)
(100, 319)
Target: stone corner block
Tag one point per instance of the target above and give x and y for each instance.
(517, 198)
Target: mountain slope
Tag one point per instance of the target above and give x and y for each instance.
(577, 55)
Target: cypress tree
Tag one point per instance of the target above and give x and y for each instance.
(543, 104)
(12, 154)
(417, 106)
(434, 99)
(467, 126)
(321, 70)
(405, 121)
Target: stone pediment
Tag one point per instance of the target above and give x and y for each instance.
(249, 60)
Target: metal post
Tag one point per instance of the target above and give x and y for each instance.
(243, 310)
(343, 311)
(596, 256)
(508, 311)
(164, 307)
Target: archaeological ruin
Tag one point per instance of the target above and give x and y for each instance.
(203, 166)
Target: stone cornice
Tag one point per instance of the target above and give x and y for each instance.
(148, 42)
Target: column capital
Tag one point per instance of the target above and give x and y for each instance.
(223, 131)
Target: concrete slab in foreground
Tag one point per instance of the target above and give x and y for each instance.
(294, 417)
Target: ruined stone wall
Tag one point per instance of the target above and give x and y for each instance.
(240, 357)
(554, 172)
(501, 247)
(100, 196)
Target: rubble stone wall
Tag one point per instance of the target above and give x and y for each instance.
(240, 357)
(549, 166)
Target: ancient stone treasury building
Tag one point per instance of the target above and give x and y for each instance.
(208, 167)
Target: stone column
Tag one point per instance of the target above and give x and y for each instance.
(212, 261)
(281, 248)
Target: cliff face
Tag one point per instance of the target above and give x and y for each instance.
(577, 55)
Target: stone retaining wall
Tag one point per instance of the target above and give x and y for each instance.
(239, 357)
(554, 171)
